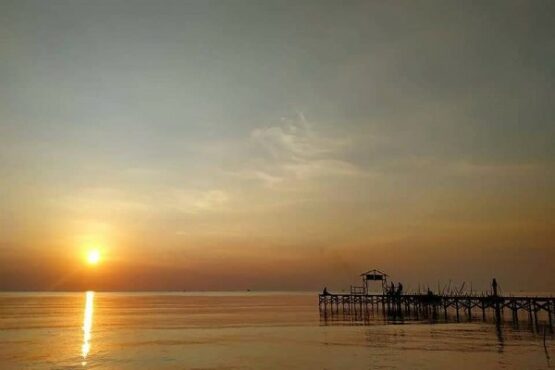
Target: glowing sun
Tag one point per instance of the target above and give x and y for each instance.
(93, 257)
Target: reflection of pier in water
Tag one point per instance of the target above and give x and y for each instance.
(395, 306)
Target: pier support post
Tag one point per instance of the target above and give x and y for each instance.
(497, 311)
(530, 317)
(535, 313)
(549, 315)
(496, 302)
(416, 309)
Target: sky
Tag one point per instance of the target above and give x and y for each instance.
(280, 145)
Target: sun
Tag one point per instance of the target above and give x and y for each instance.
(93, 257)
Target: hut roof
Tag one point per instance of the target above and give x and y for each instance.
(374, 272)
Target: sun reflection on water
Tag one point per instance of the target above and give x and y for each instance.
(87, 325)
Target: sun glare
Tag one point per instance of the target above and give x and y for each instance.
(93, 257)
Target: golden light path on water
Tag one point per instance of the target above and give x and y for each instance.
(87, 325)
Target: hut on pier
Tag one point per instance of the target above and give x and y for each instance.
(369, 280)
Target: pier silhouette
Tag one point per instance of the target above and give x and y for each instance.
(395, 304)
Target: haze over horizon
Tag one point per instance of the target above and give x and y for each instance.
(276, 145)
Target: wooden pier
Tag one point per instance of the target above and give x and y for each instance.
(396, 304)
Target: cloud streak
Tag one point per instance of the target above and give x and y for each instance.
(292, 150)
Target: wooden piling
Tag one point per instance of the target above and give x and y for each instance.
(549, 315)
(549, 318)
(535, 313)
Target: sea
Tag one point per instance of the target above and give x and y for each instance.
(246, 330)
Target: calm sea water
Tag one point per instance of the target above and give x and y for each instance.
(242, 331)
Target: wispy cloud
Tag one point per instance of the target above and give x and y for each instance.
(199, 201)
(109, 200)
(295, 139)
(293, 150)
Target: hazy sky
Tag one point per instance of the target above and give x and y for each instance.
(276, 145)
